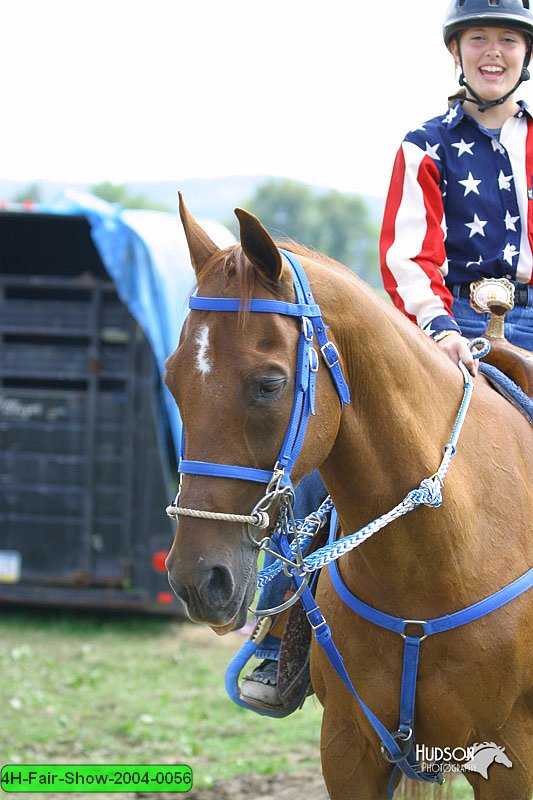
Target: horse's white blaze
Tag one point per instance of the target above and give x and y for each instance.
(203, 361)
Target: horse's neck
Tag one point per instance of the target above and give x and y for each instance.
(404, 402)
(405, 394)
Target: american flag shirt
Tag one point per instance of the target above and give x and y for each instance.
(459, 208)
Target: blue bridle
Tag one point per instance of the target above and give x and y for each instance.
(307, 365)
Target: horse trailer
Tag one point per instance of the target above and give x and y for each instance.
(87, 439)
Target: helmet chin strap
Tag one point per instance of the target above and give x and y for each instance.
(476, 98)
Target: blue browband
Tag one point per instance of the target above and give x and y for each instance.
(307, 365)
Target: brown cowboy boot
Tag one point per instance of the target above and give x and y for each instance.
(260, 689)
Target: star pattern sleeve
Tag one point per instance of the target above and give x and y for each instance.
(412, 250)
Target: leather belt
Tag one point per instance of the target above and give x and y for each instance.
(521, 293)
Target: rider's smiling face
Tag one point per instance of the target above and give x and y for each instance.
(492, 59)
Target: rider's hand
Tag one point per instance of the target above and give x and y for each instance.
(456, 347)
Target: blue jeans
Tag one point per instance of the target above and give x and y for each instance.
(309, 495)
(518, 321)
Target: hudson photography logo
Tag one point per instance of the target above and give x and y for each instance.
(476, 758)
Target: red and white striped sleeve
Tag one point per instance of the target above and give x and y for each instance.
(412, 251)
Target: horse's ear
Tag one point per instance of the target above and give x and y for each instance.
(259, 246)
(201, 247)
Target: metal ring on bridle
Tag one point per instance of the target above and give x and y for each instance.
(404, 740)
(269, 612)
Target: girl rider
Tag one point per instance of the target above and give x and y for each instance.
(459, 209)
(460, 203)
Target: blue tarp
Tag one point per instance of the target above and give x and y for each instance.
(146, 255)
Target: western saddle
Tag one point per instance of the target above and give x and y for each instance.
(496, 296)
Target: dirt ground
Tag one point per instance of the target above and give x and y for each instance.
(265, 787)
(290, 786)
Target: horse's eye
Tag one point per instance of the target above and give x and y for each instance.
(270, 388)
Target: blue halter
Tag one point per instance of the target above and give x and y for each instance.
(307, 365)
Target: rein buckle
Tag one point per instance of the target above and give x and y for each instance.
(330, 354)
(320, 619)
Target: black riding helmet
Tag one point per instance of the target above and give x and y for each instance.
(463, 14)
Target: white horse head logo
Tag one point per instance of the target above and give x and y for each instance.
(485, 754)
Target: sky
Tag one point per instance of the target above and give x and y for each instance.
(127, 90)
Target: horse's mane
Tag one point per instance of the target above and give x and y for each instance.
(233, 263)
(315, 255)
(484, 746)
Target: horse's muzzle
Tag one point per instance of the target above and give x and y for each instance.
(212, 597)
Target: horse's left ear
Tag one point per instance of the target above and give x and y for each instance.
(201, 247)
(259, 246)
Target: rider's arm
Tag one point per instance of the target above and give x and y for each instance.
(412, 251)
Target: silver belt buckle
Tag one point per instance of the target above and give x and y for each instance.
(492, 295)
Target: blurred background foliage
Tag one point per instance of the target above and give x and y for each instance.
(343, 226)
(334, 223)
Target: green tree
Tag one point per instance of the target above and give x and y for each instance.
(287, 208)
(118, 193)
(32, 192)
(347, 233)
(335, 223)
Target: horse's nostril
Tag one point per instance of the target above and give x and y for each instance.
(218, 588)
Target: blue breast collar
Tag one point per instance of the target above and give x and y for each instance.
(398, 747)
(313, 325)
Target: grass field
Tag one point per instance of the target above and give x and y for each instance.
(95, 689)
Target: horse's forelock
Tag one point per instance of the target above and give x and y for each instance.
(232, 264)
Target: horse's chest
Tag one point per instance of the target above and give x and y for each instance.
(458, 675)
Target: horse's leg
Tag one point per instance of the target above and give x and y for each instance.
(499, 785)
(514, 782)
(352, 770)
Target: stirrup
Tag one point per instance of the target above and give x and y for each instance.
(260, 688)
(231, 680)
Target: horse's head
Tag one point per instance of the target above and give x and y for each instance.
(501, 757)
(233, 377)
(485, 754)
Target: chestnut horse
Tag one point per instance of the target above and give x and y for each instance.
(233, 378)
